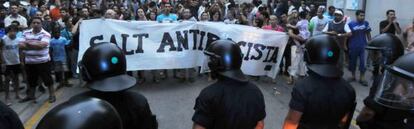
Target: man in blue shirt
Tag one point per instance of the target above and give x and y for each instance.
(166, 15)
(361, 31)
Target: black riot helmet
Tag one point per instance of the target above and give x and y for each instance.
(103, 67)
(386, 48)
(82, 113)
(396, 89)
(322, 55)
(225, 59)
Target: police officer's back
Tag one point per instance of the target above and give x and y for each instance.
(322, 100)
(232, 102)
(103, 67)
(8, 118)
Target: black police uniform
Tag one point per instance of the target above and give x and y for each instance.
(384, 118)
(229, 104)
(133, 108)
(323, 101)
(8, 118)
(110, 83)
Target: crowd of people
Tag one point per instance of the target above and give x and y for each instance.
(46, 33)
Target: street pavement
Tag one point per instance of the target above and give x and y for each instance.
(172, 100)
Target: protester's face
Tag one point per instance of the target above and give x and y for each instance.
(194, 3)
(167, 8)
(38, 14)
(110, 14)
(47, 18)
(361, 17)
(391, 15)
(230, 15)
(140, 13)
(205, 17)
(68, 23)
(153, 16)
(123, 10)
(246, 11)
(273, 20)
(115, 8)
(43, 8)
(331, 10)
(93, 7)
(12, 34)
(216, 16)
(36, 24)
(14, 9)
(338, 17)
(284, 18)
(63, 13)
(289, 3)
(85, 12)
(186, 13)
(2, 12)
(56, 34)
(319, 12)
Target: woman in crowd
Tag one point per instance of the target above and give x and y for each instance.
(216, 16)
(152, 16)
(204, 16)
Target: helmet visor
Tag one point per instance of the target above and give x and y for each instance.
(396, 91)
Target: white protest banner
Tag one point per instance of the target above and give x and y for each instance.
(151, 45)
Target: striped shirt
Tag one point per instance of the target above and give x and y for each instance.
(37, 56)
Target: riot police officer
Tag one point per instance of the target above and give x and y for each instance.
(387, 48)
(82, 113)
(8, 118)
(232, 102)
(322, 100)
(103, 67)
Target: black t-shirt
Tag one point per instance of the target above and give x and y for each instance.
(229, 104)
(385, 118)
(391, 29)
(323, 101)
(132, 107)
(8, 118)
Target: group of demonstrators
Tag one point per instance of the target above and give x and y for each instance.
(43, 38)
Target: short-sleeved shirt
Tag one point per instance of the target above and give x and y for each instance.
(133, 108)
(58, 49)
(9, 19)
(323, 101)
(303, 29)
(359, 31)
(229, 104)
(391, 29)
(37, 56)
(10, 50)
(316, 25)
(8, 118)
(167, 18)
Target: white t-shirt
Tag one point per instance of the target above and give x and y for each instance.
(9, 19)
(317, 25)
(10, 50)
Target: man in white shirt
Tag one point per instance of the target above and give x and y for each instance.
(14, 16)
(318, 22)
